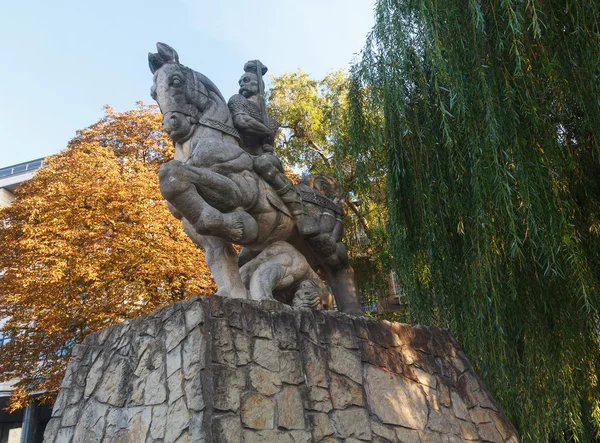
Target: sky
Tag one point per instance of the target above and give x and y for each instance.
(63, 60)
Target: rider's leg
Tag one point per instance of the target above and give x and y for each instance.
(268, 167)
(236, 227)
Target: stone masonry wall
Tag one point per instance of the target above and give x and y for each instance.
(222, 370)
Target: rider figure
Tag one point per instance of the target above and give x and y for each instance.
(257, 131)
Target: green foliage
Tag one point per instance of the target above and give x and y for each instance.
(487, 115)
(313, 115)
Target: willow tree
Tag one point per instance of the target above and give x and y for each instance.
(487, 113)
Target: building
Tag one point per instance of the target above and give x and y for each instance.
(24, 426)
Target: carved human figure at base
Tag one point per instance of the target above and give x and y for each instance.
(281, 266)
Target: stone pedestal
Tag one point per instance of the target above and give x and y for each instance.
(223, 370)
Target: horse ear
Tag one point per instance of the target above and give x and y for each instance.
(154, 61)
(167, 53)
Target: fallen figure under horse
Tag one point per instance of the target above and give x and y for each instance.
(226, 192)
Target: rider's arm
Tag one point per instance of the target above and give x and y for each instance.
(250, 126)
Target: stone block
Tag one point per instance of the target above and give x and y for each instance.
(284, 327)
(258, 411)
(220, 371)
(345, 362)
(319, 425)
(290, 409)
(345, 392)
(394, 399)
(266, 354)
(228, 384)
(352, 423)
(226, 429)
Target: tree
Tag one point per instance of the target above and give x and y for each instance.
(87, 243)
(490, 131)
(314, 137)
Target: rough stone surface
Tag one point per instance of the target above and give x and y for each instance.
(214, 370)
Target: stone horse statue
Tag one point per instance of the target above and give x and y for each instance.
(211, 184)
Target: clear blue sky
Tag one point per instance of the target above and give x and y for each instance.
(63, 60)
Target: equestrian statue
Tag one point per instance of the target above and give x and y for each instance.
(228, 187)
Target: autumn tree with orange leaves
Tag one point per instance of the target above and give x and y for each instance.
(87, 243)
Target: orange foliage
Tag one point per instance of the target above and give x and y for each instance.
(87, 243)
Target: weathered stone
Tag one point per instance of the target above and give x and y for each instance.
(243, 347)
(394, 399)
(301, 436)
(193, 393)
(386, 432)
(266, 354)
(257, 321)
(442, 421)
(70, 416)
(175, 330)
(65, 435)
(159, 422)
(216, 306)
(174, 383)
(149, 354)
(458, 406)
(94, 376)
(404, 435)
(338, 330)
(228, 384)
(315, 363)
(299, 396)
(226, 429)
(488, 432)
(232, 308)
(306, 324)
(264, 381)
(90, 425)
(267, 437)
(194, 313)
(258, 411)
(378, 356)
(345, 392)
(156, 392)
(468, 431)
(174, 360)
(51, 430)
(284, 327)
(112, 389)
(319, 425)
(290, 367)
(193, 352)
(196, 431)
(137, 426)
(178, 419)
(290, 408)
(352, 423)
(421, 377)
(346, 363)
(319, 399)
(444, 396)
(431, 437)
(222, 343)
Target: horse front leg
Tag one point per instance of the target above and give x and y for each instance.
(179, 185)
(222, 261)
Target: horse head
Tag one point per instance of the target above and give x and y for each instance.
(182, 94)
